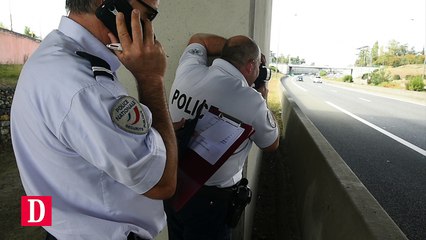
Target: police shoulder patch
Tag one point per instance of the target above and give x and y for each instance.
(196, 51)
(271, 119)
(128, 114)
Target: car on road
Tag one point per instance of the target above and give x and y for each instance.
(299, 78)
(317, 79)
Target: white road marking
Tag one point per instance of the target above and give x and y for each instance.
(303, 89)
(394, 137)
(383, 95)
(363, 99)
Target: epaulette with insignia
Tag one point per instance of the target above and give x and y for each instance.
(99, 66)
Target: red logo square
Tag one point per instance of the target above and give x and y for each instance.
(36, 211)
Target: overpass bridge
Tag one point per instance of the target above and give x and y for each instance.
(307, 69)
(294, 69)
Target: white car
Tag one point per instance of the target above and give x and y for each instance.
(317, 79)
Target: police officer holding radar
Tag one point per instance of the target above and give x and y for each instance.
(227, 84)
(105, 158)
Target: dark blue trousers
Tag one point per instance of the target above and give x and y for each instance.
(202, 217)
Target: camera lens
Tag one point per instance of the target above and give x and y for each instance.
(264, 73)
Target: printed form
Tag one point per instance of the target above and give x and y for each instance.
(213, 136)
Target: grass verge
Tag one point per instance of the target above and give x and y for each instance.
(274, 97)
(9, 74)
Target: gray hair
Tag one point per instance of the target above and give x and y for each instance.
(239, 50)
(81, 6)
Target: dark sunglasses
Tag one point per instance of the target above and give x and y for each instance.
(152, 12)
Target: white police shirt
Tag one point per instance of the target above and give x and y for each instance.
(223, 86)
(67, 146)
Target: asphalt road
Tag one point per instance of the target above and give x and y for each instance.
(382, 139)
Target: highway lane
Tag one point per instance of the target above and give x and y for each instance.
(383, 140)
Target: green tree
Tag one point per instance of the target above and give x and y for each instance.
(282, 59)
(363, 57)
(28, 32)
(375, 52)
(393, 47)
(297, 60)
(397, 54)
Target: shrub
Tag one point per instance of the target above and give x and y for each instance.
(415, 84)
(364, 76)
(274, 69)
(347, 78)
(378, 77)
(322, 73)
(396, 77)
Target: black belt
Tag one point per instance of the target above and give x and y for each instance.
(212, 191)
(131, 236)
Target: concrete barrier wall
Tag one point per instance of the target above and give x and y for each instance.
(331, 202)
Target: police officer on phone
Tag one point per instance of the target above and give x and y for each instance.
(227, 85)
(106, 159)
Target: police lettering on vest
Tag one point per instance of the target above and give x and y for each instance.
(187, 103)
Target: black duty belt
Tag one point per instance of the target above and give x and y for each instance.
(212, 191)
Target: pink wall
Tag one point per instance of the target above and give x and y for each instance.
(15, 48)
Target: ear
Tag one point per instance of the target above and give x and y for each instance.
(99, 2)
(249, 67)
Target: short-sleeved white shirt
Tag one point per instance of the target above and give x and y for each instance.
(223, 86)
(67, 146)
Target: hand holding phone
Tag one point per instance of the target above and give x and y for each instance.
(141, 53)
(108, 11)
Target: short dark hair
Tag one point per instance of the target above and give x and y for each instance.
(81, 6)
(238, 52)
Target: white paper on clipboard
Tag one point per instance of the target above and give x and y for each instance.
(214, 135)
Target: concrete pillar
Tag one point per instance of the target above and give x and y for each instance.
(179, 19)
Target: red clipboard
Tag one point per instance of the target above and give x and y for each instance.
(194, 170)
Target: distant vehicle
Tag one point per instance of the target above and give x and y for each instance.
(317, 79)
(299, 78)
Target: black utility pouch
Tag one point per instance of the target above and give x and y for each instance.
(241, 198)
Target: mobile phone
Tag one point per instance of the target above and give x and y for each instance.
(107, 11)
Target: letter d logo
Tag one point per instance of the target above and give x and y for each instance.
(36, 211)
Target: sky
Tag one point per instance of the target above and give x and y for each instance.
(324, 32)
(328, 32)
(40, 16)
